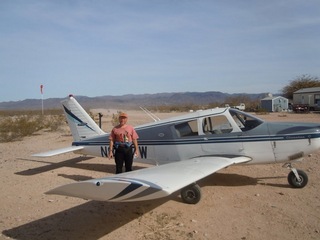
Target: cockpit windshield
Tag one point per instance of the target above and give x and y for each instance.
(244, 120)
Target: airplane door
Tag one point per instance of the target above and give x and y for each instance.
(218, 138)
(222, 144)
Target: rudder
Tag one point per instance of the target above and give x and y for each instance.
(81, 124)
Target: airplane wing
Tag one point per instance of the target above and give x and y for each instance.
(58, 151)
(149, 183)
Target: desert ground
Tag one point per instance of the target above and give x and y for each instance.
(240, 202)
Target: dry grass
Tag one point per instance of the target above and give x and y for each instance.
(163, 226)
(16, 125)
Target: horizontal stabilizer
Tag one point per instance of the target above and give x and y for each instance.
(58, 151)
(149, 183)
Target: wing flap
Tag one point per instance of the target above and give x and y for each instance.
(58, 151)
(148, 183)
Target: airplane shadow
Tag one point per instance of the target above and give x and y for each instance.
(75, 177)
(233, 180)
(279, 185)
(77, 162)
(50, 165)
(216, 179)
(228, 180)
(91, 220)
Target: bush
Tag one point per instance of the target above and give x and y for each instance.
(13, 128)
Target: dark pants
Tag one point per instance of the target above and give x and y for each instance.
(123, 155)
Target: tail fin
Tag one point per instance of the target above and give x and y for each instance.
(81, 124)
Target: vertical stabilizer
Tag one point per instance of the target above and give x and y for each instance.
(81, 124)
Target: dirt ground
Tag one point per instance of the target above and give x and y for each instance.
(241, 202)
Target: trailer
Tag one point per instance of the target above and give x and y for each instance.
(308, 96)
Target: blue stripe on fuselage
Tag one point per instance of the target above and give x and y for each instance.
(208, 140)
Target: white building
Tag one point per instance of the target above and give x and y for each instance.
(310, 96)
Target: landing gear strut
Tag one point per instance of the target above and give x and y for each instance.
(296, 178)
(191, 194)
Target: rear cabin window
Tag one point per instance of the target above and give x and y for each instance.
(186, 129)
(216, 125)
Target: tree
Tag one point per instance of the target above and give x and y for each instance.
(304, 81)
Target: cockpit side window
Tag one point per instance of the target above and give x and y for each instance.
(216, 125)
(245, 121)
(186, 129)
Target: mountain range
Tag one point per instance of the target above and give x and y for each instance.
(132, 100)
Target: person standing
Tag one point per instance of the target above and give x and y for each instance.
(123, 144)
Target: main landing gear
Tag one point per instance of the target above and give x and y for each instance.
(296, 178)
(191, 194)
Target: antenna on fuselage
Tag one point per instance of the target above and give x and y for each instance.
(150, 114)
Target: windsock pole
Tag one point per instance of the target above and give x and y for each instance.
(41, 90)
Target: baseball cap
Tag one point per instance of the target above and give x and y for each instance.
(123, 115)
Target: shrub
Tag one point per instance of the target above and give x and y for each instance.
(13, 128)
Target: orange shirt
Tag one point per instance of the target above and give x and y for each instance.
(123, 134)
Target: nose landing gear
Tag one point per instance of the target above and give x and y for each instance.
(296, 178)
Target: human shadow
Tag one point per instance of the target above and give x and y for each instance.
(91, 220)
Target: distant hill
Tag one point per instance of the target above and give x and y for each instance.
(130, 100)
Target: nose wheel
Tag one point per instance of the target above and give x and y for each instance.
(296, 178)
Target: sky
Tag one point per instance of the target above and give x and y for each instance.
(117, 47)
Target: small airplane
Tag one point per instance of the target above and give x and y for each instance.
(186, 149)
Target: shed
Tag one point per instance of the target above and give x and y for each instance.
(310, 96)
(275, 104)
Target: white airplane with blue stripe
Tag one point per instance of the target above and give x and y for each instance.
(186, 149)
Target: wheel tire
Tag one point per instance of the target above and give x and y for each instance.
(191, 194)
(293, 181)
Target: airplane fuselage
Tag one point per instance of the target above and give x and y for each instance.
(217, 132)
